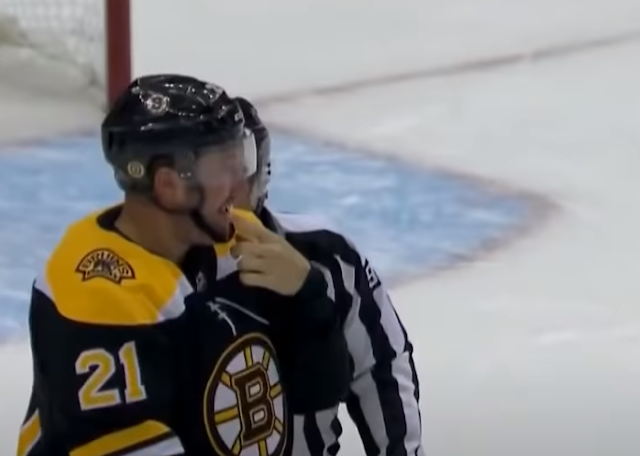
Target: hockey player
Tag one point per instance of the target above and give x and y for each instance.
(138, 348)
(384, 392)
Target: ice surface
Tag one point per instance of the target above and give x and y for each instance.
(421, 221)
(533, 350)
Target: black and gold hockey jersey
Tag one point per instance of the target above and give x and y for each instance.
(134, 355)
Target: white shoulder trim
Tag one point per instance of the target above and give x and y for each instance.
(42, 283)
(297, 223)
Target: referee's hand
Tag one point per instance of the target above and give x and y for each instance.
(266, 259)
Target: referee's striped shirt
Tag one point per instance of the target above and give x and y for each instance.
(384, 394)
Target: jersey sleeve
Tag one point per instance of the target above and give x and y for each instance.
(317, 363)
(101, 389)
(384, 395)
(383, 398)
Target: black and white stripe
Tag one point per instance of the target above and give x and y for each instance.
(384, 397)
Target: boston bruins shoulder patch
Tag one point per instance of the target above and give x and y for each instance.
(244, 408)
(105, 264)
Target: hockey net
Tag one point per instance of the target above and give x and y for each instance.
(65, 46)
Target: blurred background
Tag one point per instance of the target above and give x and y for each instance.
(483, 153)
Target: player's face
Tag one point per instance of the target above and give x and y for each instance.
(220, 173)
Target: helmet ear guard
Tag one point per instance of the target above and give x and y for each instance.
(250, 152)
(261, 179)
(261, 175)
(138, 177)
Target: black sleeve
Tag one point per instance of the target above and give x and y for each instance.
(103, 390)
(315, 358)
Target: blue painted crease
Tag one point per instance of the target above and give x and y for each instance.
(407, 220)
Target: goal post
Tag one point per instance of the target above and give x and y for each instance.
(67, 46)
(118, 47)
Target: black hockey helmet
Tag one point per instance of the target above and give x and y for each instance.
(260, 168)
(166, 116)
(172, 120)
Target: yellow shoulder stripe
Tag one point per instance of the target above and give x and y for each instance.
(150, 432)
(29, 434)
(96, 276)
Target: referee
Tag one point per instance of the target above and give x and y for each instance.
(384, 394)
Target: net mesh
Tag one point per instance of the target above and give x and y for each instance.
(53, 44)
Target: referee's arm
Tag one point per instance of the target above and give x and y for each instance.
(384, 395)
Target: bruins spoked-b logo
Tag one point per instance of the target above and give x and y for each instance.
(105, 264)
(157, 104)
(244, 408)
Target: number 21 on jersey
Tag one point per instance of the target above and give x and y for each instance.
(101, 366)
